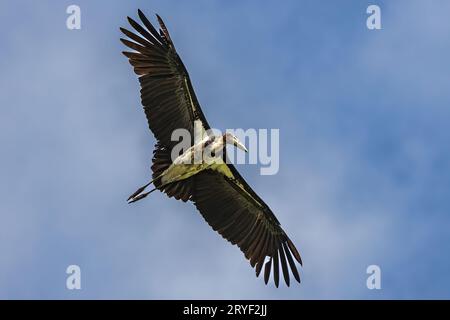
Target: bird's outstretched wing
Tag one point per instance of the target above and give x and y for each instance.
(166, 91)
(233, 209)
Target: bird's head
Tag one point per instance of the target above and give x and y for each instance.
(229, 138)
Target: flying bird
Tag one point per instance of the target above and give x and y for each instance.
(224, 199)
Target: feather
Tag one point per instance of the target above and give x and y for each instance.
(150, 27)
(276, 270)
(284, 266)
(291, 263)
(267, 270)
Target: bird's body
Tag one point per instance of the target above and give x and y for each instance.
(206, 154)
(200, 174)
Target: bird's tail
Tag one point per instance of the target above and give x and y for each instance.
(140, 194)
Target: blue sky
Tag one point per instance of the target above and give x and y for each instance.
(364, 160)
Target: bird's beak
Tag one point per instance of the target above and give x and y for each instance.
(238, 144)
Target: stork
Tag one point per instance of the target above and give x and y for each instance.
(224, 199)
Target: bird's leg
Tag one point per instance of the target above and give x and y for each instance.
(135, 197)
(138, 191)
(140, 197)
